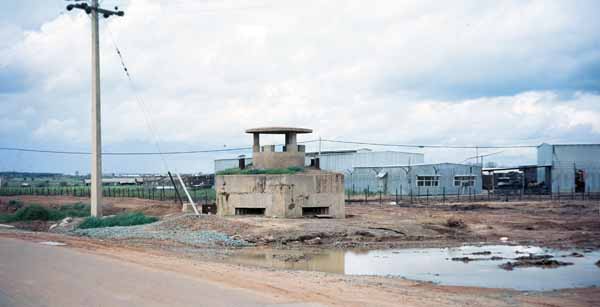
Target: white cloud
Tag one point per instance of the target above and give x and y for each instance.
(398, 72)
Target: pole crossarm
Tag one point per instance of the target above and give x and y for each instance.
(90, 8)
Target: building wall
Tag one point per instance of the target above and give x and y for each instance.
(565, 160)
(272, 159)
(404, 179)
(281, 195)
(344, 161)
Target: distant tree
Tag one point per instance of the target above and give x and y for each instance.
(42, 184)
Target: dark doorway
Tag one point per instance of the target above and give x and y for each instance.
(249, 211)
(579, 181)
(313, 211)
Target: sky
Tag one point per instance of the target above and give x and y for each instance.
(399, 72)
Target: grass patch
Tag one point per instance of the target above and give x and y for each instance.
(39, 213)
(75, 210)
(270, 171)
(124, 219)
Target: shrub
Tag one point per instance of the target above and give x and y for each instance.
(15, 203)
(33, 213)
(39, 213)
(124, 219)
(453, 222)
(75, 210)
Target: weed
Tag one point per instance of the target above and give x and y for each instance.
(32, 213)
(124, 219)
(38, 213)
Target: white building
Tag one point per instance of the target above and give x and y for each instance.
(569, 168)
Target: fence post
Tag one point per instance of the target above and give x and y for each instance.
(520, 194)
(458, 194)
(380, 199)
(443, 195)
(427, 196)
(400, 192)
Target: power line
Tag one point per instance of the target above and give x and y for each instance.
(140, 102)
(481, 156)
(140, 153)
(123, 153)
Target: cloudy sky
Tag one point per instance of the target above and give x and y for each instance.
(409, 72)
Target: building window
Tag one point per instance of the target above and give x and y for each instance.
(428, 181)
(464, 181)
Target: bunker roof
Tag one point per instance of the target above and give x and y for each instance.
(278, 130)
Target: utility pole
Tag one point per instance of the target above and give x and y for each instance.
(96, 178)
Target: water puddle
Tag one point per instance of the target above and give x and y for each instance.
(52, 243)
(478, 266)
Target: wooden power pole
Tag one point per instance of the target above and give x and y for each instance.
(96, 181)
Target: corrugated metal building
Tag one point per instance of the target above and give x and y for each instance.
(223, 164)
(569, 168)
(344, 161)
(419, 179)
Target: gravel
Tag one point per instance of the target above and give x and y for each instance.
(158, 231)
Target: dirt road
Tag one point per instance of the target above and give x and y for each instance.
(32, 274)
(158, 273)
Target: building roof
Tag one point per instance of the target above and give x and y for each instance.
(567, 144)
(278, 130)
(416, 164)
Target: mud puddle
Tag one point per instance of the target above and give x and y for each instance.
(479, 266)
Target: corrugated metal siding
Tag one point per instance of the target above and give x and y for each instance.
(563, 176)
(403, 179)
(565, 159)
(345, 162)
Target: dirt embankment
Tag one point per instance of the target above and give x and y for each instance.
(565, 224)
(570, 223)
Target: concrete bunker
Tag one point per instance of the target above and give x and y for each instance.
(278, 185)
